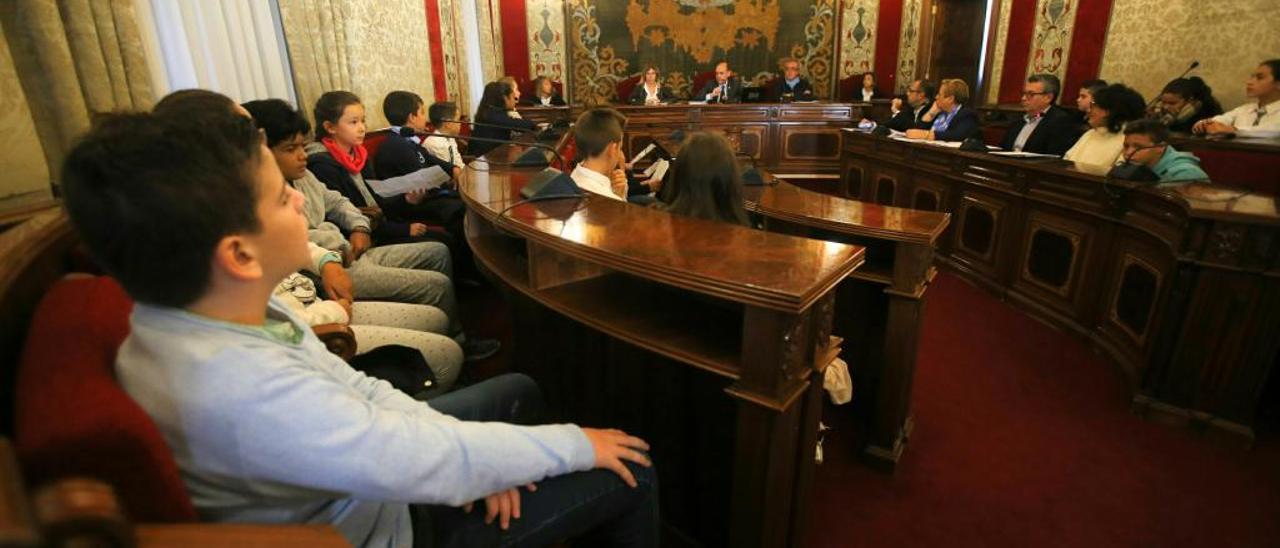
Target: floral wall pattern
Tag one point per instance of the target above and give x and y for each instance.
(610, 41)
(1052, 39)
(858, 33)
(1151, 41)
(546, 38)
(909, 44)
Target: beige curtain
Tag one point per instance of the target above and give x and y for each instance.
(318, 48)
(75, 58)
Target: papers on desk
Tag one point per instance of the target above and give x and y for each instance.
(423, 179)
(697, 102)
(1019, 154)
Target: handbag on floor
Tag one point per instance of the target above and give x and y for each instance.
(403, 367)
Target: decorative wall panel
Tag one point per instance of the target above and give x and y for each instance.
(611, 41)
(451, 37)
(909, 46)
(858, 33)
(546, 38)
(490, 28)
(997, 57)
(1051, 42)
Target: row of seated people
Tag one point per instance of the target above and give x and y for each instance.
(206, 212)
(725, 86)
(1117, 126)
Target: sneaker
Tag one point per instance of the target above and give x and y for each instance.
(475, 350)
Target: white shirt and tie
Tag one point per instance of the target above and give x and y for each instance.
(1251, 117)
(444, 148)
(594, 182)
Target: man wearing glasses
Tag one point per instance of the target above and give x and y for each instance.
(1146, 143)
(1046, 128)
(919, 99)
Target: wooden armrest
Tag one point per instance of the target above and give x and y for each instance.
(200, 535)
(374, 214)
(338, 338)
(17, 528)
(81, 512)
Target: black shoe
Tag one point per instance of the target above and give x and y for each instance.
(475, 350)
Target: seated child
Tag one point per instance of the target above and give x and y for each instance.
(197, 223)
(705, 181)
(602, 167)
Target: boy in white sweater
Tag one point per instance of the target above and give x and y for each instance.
(198, 225)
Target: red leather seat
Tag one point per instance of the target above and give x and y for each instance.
(700, 80)
(71, 416)
(626, 86)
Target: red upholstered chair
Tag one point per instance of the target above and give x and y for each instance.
(373, 140)
(568, 151)
(626, 86)
(74, 419)
(700, 80)
(849, 86)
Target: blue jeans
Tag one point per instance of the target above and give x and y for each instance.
(595, 505)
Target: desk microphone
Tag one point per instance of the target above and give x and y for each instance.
(1190, 68)
(548, 182)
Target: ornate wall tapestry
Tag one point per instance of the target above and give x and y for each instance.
(858, 28)
(612, 40)
(1052, 40)
(546, 38)
(997, 60)
(452, 47)
(490, 30)
(909, 46)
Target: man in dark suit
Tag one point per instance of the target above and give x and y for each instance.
(908, 116)
(726, 88)
(791, 86)
(1046, 128)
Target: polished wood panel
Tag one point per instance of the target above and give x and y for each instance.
(879, 308)
(790, 137)
(705, 338)
(1163, 279)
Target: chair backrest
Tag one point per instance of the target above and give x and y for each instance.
(626, 86)
(373, 140)
(74, 419)
(850, 86)
(58, 340)
(700, 80)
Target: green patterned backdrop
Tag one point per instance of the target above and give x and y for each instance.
(612, 40)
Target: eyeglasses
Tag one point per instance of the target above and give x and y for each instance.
(914, 90)
(1034, 93)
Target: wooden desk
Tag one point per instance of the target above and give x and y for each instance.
(790, 137)
(1178, 286)
(705, 338)
(879, 308)
(1244, 162)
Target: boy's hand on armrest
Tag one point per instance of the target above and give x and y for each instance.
(417, 229)
(360, 242)
(614, 446)
(503, 506)
(337, 284)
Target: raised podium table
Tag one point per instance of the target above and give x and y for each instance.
(879, 309)
(707, 339)
(784, 137)
(1178, 285)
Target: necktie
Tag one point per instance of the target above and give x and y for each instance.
(724, 89)
(1262, 111)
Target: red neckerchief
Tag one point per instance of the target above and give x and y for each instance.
(354, 164)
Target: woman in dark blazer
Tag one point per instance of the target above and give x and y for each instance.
(868, 90)
(950, 120)
(492, 118)
(650, 91)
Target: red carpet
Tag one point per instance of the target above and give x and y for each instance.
(1023, 438)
